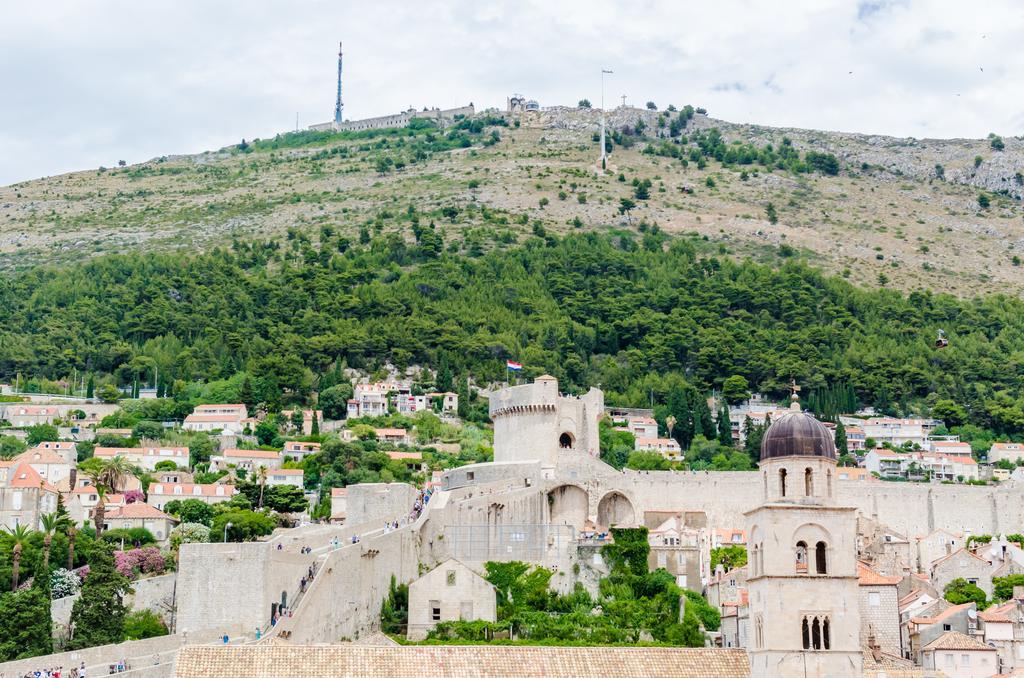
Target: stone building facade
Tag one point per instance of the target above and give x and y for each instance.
(449, 592)
(879, 607)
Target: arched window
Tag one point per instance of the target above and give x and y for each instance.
(816, 634)
(825, 642)
(806, 632)
(828, 475)
(759, 632)
(565, 441)
(782, 482)
(808, 482)
(819, 558)
(801, 557)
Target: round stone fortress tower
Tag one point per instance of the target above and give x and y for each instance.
(533, 422)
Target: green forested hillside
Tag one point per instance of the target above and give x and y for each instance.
(635, 313)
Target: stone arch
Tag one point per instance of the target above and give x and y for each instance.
(566, 441)
(615, 508)
(568, 505)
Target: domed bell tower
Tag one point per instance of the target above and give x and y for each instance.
(801, 560)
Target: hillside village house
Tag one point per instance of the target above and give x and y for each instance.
(449, 592)
(855, 438)
(161, 493)
(395, 436)
(1002, 627)
(936, 544)
(286, 476)
(24, 495)
(920, 464)
(879, 607)
(307, 419)
(1010, 452)
(66, 449)
(936, 620)
(141, 515)
(1005, 557)
(682, 550)
(666, 447)
(950, 447)
(146, 457)
(728, 537)
(407, 403)
(247, 460)
(962, 564)
(958, 655)
(22, 416)
(297, 451)
(82, 503)
(51, 467)
(735, 621)
(854, 473)
(641, 427)
(897, 432)
(233, 419)
(449, 401)
(369, 400)
(727, 586)
(339, 504)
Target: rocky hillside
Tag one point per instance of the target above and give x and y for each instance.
(903, 213)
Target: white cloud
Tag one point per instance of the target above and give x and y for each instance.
(87, 84)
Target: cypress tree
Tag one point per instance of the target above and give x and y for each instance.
(841, 446)
(90, 389)
(98, 615)
(724, 427)
(463, 391)
(314, 429)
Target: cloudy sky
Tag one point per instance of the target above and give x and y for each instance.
(89, 82)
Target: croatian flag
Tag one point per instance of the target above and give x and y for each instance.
(515, 367)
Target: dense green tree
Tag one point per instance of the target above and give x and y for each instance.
(40, 433)
(333, 401)
(735, 389)
(1002, 587)
(960, 591)
(729, 556)
(143, 624)
(25, 624)
(99, 613)
(245, 525)
(190, 511)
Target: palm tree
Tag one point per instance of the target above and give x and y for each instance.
(99, 513)
(50, 523)
(108, 476)
(263, 483)
(19, 534)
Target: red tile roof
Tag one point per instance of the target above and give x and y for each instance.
(137, 510)
(868, 577)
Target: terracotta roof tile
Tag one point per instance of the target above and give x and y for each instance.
(136, 510)
(868, 577)
(492, 661)
(954, 640)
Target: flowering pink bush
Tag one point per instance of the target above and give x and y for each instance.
(132, 496)
(133, 562)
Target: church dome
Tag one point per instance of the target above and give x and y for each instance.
(797, 434)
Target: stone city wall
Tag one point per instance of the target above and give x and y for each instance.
(369, 502)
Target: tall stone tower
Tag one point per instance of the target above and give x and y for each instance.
(534, 422)
(338, 106)
(802, 563)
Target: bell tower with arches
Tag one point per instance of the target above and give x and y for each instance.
(802, 564)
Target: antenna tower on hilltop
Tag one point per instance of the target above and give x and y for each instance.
(338, 107)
